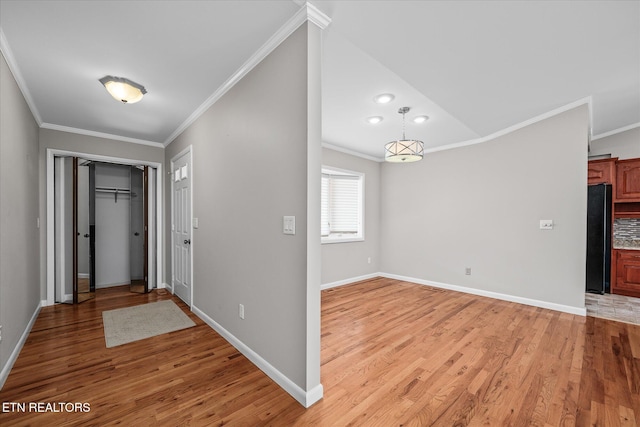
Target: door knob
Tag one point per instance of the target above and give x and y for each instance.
(136, 234)
(86, 235)
(187, 242)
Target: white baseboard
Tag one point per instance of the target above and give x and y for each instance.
(581, 311)
(349, 281)
(4, 374)
(306, 399)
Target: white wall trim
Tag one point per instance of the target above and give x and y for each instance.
(100, 135)
(315, 15)
(6, 369)
(306, 399)
(164, 285)
(51, 154)
(349, 281)
(352, 152)
(517, 126)
(616, 131)
(581, 311)
(17, 75)
(50, 239)
(495, 135)
(307, 12)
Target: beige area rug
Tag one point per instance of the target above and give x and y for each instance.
(125, 325)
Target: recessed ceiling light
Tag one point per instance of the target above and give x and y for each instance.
(384, 98)
(420, 119)
(374, 120)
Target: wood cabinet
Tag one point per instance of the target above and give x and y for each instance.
(627, 273)
(624, 177)
(626, 210)
(601, 171)
(627, 180)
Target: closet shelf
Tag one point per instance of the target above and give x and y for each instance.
(115, 191)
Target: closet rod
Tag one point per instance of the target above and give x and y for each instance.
(112, 190)
(115, 192)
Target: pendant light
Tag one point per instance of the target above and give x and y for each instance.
(404, 150)
(123, 90)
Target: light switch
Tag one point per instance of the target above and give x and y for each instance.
(546, 224)
(195, 222)
(289, 224)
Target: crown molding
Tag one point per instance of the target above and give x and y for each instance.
(351, 152)
(306, 13)
(616, 131)
(315, 15)
(101, 135)
(584, 101)
(17, 75)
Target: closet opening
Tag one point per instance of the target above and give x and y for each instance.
(104, 226)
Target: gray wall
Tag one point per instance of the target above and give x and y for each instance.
(19, 245)
(343, 261)
(252, 151)
(480, 206)
(81, 144)
(624, 145)
(113, 219)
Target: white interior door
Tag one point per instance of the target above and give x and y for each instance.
(181, 226)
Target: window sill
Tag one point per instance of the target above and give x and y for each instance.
(341, 240)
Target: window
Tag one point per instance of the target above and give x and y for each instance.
(342, 206)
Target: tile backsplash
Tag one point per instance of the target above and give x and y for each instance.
(626, 233)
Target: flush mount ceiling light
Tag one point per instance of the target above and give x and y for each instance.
(420, 119)
(123, 90)
(374, 120)
(404, 150)
(384, 98)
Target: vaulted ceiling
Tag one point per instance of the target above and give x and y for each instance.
(474, 67)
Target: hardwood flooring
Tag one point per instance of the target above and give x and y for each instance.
(393, 354)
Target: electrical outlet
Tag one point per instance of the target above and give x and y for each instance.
(369, 260)
(467, 271)
(241, 311)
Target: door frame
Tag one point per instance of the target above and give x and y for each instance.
(186, 150)
(145, 227)
(50, 236)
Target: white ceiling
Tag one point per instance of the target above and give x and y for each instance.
(474, 67)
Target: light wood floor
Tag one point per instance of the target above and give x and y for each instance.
(393, 354)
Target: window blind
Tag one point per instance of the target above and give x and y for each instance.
(340, 204)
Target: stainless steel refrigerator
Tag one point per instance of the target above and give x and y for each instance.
(599, 238)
